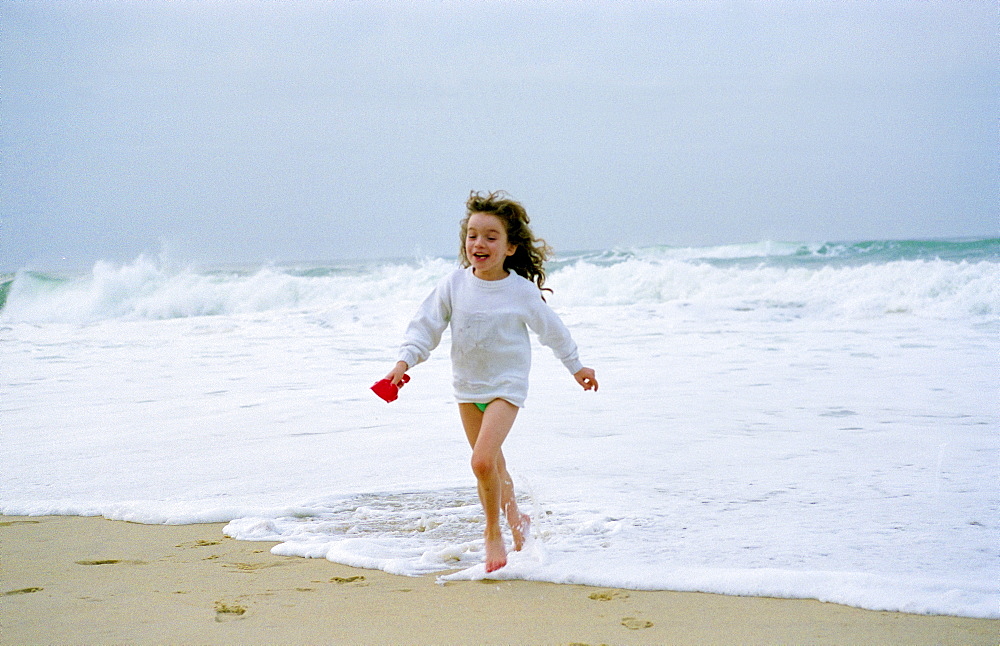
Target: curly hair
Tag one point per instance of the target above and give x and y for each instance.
(531, 253)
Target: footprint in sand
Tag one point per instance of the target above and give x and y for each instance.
(201, 542)
(636, 624)
(250, 567)
(110, 562)
(11, 593)
(228, 612)
(347, 579)
(608, 595)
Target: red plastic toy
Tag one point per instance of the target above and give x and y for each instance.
(386, 390)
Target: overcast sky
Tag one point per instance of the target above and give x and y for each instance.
(282, 131)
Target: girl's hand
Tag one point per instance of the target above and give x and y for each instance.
(586, 378)
(396, 374)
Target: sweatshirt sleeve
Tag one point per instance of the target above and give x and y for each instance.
(553, 333)
(424, 332)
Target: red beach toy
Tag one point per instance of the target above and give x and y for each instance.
(386, 390)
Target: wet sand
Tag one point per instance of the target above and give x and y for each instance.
(93, 581)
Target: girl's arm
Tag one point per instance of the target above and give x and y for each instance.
(553, 333)
(424, 332)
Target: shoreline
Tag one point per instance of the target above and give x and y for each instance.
(70, 579)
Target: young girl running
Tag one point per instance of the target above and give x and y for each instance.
(490, 304)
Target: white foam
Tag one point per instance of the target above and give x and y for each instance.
(759, 430)
(937, 288)
(150, 290)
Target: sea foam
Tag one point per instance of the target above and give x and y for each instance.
(785, 420)
(147, 289)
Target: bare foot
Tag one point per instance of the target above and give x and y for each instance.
(520, 530)
(496, 553)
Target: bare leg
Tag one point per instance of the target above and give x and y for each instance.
(486, 433)
(519, 523)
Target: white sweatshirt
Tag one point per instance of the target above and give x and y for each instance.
(490, 348)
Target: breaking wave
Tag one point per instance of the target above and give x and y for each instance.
(924, 278)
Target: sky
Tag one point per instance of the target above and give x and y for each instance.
(252, 132)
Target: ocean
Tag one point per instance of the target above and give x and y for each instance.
(781, 419)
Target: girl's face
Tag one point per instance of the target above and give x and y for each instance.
(487, 247)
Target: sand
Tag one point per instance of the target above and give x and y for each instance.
(94, 581)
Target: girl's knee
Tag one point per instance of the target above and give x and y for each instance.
(483, 466)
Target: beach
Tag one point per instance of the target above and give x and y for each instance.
(781, 421)
(770, 230)
(88, 580)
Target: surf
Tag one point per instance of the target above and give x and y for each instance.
(950, 279)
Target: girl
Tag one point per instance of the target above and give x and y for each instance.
(490, 303)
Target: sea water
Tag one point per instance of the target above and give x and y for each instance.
(790, 420)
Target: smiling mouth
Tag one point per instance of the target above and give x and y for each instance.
(480, 256)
